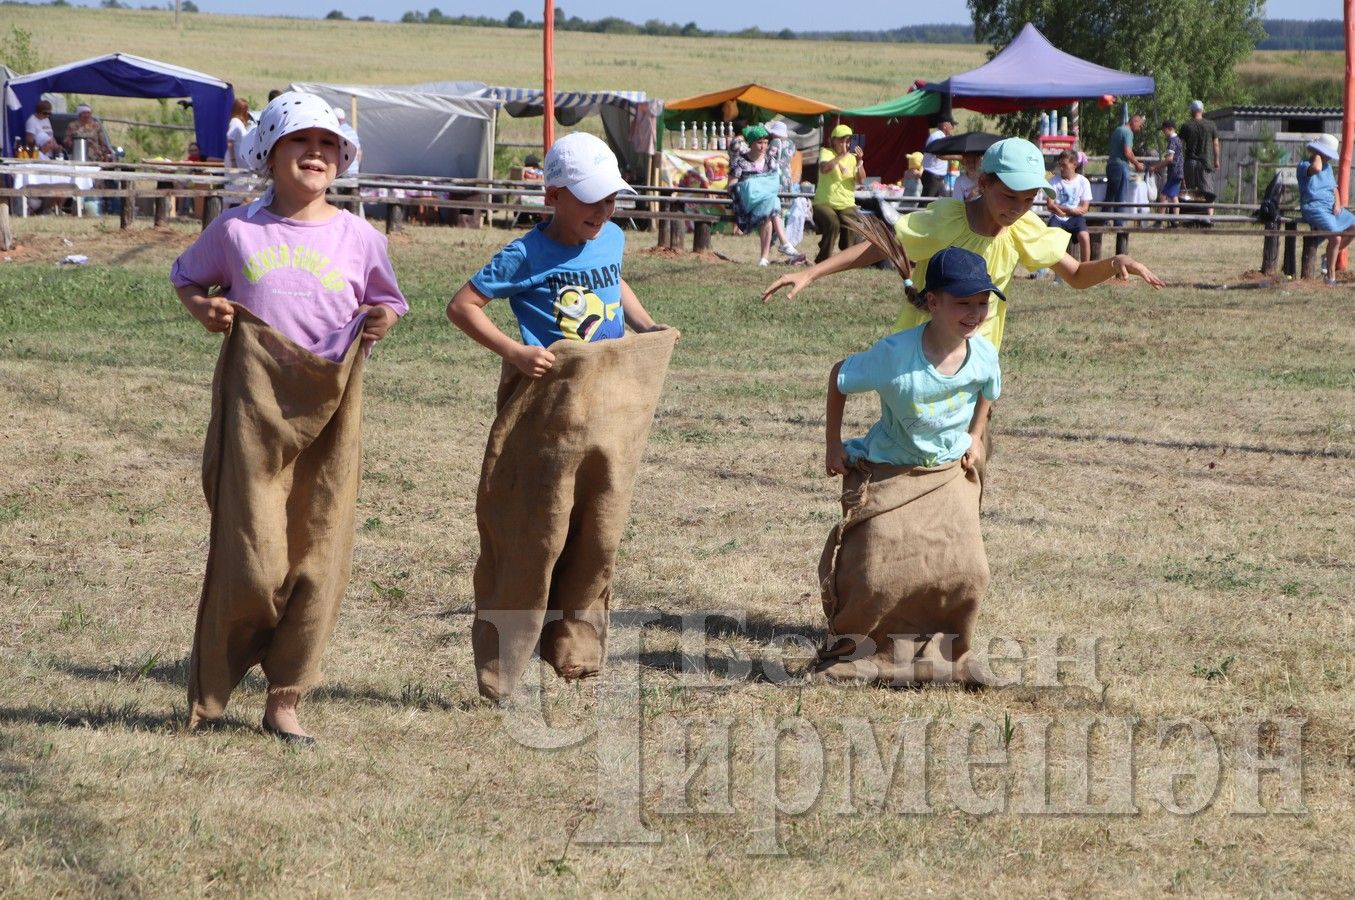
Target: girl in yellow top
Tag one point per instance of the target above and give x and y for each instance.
(997, 225)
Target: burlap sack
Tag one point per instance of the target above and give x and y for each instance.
(902, 575)
(555, 492)
(280, 468)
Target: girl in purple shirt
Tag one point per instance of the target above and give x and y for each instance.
(313, 272)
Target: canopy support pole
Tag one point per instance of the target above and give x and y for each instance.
(1347, 122)
(548, 100)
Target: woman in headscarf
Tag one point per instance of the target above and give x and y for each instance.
(753, 184)
(91, 130)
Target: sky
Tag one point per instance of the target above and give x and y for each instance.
(798, 15)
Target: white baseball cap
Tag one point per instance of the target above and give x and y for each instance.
(777, 129)
(1197, 106)
(340, 114)
(586, 166)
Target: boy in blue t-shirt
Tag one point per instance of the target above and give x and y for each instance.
(563, 278)
(936, 382)
(575, 404)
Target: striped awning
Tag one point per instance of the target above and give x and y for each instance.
(567, 99)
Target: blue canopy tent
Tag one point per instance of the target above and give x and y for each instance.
(1030, 71)
(124, 75)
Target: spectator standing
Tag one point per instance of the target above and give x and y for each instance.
(1121, 162)
(840, 171)
(934, 167)
(1173, 163)
(781, 151)
(355, 205)
(1200, 138)
(240, 126)
(235, 133)
(912, 179)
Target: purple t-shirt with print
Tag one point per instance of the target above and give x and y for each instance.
(306, 279)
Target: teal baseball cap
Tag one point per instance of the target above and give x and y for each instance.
(1018, 164)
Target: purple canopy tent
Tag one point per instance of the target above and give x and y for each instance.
(1030, 71)
(125, 75)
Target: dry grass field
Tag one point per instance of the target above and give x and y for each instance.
(1173, 480)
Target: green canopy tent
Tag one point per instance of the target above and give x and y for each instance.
(891, 129)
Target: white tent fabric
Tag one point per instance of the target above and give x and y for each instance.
(416, 132)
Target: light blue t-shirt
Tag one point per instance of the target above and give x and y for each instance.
(924, 415)
(557, 291)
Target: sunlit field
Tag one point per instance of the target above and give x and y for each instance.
(1173, 482)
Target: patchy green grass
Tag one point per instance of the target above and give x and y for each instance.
(1161, 485)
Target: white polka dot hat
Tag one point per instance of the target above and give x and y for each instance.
(295, 111)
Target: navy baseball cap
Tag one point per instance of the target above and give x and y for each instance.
(961, 273)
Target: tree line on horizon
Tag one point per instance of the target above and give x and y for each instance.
(1279, 34)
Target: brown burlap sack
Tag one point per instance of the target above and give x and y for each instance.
(555, 491)
(280, 468)
(902, 575)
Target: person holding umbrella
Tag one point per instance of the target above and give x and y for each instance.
(933, 160)
(969, 147)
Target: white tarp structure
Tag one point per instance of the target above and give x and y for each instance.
(616, 108)
(406, 131)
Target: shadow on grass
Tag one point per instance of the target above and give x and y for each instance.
(175, 672)
(124, 716)
(737, 665)
(1050, 434)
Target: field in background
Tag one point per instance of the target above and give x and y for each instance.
(258, 54)
(1123, 503)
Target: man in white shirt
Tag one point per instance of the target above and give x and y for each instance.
(933, 166)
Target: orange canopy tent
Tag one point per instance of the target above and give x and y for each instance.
(751, 102)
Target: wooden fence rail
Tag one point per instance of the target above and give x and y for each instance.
(670, 210)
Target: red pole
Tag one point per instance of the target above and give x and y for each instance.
(548, 50)
(1348, 122)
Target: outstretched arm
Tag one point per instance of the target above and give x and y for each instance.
(854, 257)
(1088, 274)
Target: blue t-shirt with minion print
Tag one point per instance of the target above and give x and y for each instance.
(559, 292)
(924, 415)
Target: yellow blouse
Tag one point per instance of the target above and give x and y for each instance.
(1029, 242)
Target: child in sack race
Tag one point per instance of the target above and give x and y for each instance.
(903, 572)
(576, 398)
(300, 288)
